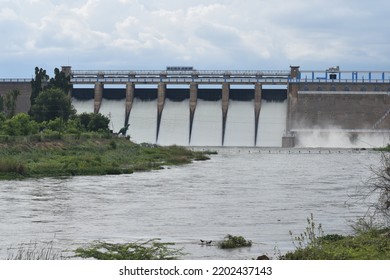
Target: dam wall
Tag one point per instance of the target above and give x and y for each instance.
(23, 86)
(348, 106)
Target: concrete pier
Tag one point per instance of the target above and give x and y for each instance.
(257, 105)
(99, 87)
(160, 105)
(129, 100)
(193, 101)
(225, 107)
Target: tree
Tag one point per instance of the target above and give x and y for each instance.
(98, 122)
(93, 122)
(19, 125)
(38, 84)
(10, 102)
(379, 188)
(50, 104)
(60, 81)
(1, 104)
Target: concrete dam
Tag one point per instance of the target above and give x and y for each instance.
(184, 106)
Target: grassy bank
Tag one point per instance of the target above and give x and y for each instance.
(70, 156)
(368, 243)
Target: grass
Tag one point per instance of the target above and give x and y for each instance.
(35, 251)
(367, 244)
(87, 156)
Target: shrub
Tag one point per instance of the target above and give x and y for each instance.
(149, 250)
(231, 242)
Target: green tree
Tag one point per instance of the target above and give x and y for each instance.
(38, 84)
(85, 118)
(50, 104)
(60, 81)
(98, 122)
(93, 122)
(19, 125)
(10, 102)
(1, 104)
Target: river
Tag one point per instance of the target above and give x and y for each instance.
(258, 193)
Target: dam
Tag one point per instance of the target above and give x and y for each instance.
(269, 108)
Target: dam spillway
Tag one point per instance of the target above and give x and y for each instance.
(207, 115)
(185, 106)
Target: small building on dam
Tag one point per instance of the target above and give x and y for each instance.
(185, 106)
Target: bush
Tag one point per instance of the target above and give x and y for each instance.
(149, 250)
(231, 242)
(11, 166)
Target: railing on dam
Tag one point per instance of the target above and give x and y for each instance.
(21, 80)
(332, 75)
(336, 76)
(178, 77)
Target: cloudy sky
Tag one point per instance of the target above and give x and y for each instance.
(206, 34)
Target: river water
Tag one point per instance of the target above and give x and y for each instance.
(258, 193)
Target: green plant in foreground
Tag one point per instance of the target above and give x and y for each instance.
(231, 242)
(367, 244)
(309, 238)
(149, 250)
(35, 251)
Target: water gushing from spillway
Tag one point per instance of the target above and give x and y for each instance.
(207, 123)
(115, 111)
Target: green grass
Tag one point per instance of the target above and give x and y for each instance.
(86, 156)
(366, 244)
(373, 244)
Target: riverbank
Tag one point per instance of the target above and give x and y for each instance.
(69, 156)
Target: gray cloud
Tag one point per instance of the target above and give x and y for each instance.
(249, 34)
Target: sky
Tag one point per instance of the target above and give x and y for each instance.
(208, 35)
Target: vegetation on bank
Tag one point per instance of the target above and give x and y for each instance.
(52, 140)
(86, 154)
(368, 243)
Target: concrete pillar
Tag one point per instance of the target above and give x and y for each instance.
(295, 74)
(225, 107)
(193, 101)
(292, 101)
(288, 141)
(98, 96)
(67, 70)
(160, 105)
(129, 100)
(257, 105)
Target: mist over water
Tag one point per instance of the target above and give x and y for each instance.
(338, 139)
